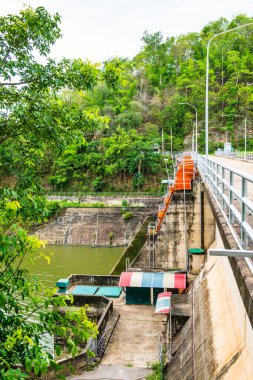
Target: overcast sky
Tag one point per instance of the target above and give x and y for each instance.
(100, 29)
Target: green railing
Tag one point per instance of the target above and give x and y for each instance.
(103, 194)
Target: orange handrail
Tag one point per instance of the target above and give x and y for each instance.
(183, 181)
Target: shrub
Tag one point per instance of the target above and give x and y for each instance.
(127, 215)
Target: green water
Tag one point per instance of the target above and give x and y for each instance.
(72, 259)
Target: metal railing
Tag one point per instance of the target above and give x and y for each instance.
(239, 155)
(231, 189)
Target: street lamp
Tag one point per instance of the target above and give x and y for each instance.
(196, 125)
(207, 77)
(166, 161)
(245, 131)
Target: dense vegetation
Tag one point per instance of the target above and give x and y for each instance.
(33, 119)
(139, 100)
(95, 127)
(98, 127)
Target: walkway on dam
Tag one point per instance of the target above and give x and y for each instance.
(133, 346)
(246, 169)
(243, 166)
(237, 164)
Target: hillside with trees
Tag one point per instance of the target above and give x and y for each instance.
(81, 126)
(138, 100)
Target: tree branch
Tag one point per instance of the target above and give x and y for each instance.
(13, 259)
(15, 83)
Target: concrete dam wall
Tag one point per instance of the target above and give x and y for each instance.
(217, 340)
(97, 226)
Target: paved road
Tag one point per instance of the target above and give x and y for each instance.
(244, 166)
(240, 165)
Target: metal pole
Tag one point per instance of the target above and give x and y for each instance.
(245, 138)
(196, 127)
(206, 106)
(171, 142)
(207, 79)
(170, 350)
(196, 139)
(193, 138)
(162, 143)
(166, 160)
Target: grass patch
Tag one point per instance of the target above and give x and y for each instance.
(157, 371)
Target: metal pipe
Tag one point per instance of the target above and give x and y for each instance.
(207, 77)
(196, 126)
(170, 350)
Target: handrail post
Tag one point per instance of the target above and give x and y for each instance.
(222, 185)
(231, 183)
(243, 211)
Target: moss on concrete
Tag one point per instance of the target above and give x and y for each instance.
(133, 248)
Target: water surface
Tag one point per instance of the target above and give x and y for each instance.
(73, 259)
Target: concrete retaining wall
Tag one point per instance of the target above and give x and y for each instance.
(86, 279)
(92, 226)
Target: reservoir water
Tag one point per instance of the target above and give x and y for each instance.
(73, 259)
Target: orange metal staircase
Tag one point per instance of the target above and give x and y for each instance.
(186, 172)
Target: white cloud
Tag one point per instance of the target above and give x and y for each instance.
(98, 29)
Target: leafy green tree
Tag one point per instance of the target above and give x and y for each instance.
(32, 115)
(27, 316)
(155, 59)
(33, 120)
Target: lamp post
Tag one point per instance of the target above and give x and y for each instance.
(196, 125)
(245, 131)
(207, 78)
(171, 142)
(166, 161)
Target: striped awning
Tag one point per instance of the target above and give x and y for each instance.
(153, 280)
(163, 303)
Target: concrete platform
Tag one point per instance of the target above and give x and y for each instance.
(113, 372)
(133, 346)
(136, 336)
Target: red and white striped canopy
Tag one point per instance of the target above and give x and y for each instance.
(163, 303)
(153, 280)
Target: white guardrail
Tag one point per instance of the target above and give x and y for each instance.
(238, 155)
(233, 190)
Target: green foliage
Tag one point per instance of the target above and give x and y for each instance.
(33, 121)
(111, 235)
(124, 204)
(156, 374)
(127, 215)
(27, 310)
(141, 97)
(98, 184)
(54, 207)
